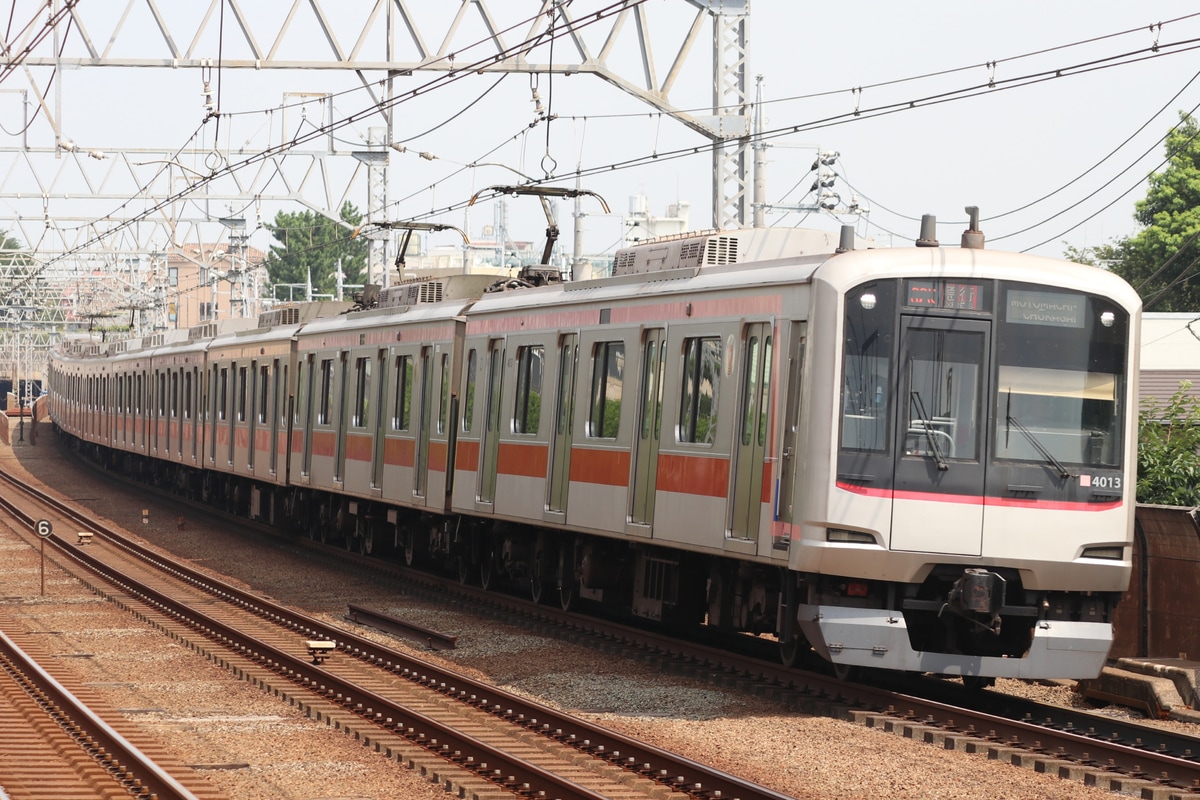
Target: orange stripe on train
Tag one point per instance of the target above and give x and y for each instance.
(702, 475)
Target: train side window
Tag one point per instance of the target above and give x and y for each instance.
(323, 410)
(362, 392)
(527, 416)
(443, 421)
(608, 375)
(174, 394)
(187, 395)
(469, 402)
(223, 394)
(403, 403)
(264, 373)
(241, 394)
(701, 390)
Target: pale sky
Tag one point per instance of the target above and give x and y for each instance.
(1002, 150)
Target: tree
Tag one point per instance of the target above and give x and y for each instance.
(1162, 260)
(310, 243)
(1169, 450)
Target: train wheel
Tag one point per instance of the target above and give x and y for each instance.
(845, 672)
(537, 585)
(409, 540)
(568, 577)
(789, 652)
(367, 542)
(464, 568)
(318, 526)
(487, 569)
(568, 593)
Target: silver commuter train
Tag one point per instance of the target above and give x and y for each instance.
(917, 459)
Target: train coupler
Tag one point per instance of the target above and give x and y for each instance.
(977, 592)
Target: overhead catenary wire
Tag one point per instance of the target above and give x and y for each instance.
(885, 110)
(592, 18)
(1158, 50)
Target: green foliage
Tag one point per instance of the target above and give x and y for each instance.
(1162, 259)
(1169, 450)
(310, 241)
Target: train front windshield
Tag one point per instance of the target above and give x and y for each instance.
(971, 372)
(1060, 379)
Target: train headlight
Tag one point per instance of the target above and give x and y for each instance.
(867, 300)
(1107, 318)
(1112, 552)
(848, 537)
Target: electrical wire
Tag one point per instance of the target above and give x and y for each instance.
(888, 109)
(1114, 200)
(613, 9)
(11, 61)
(990, 65)
(1157, 51)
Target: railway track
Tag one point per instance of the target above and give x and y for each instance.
(1109, 753)
(55, 746)
(464, 733)
(1121, 755)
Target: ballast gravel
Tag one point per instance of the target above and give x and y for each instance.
(251, 746)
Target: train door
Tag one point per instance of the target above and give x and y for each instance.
(750, 450)
(491, 432)
(646, 439)
(343, 365)
(564, 419)
(252, 413)
(380, 418)
(231, 381)
(939, 436)
(781, 539)
(306, 406)
(424, 423)
(274, 417)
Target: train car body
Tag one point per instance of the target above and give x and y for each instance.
(916, 459)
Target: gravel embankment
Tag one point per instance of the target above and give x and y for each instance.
(253, 746)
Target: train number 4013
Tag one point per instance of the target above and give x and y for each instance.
(1101, 481)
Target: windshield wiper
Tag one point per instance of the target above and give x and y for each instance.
(1009, 419)
(927, 424)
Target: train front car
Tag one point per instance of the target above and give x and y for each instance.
(974, 513)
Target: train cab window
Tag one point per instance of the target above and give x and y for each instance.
(608, 376)
(870, 315)
(326, 400)
(468, 417)
(701, 390)
(527, 416)
(1060, 377)
(362, 392)
(403, 401)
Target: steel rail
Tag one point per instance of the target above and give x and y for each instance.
(120, 757)
(672, 770)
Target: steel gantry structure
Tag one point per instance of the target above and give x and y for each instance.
(84, 212)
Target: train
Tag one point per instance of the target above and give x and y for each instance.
(913, 459)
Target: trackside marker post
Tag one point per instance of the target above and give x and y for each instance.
(44, 529)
